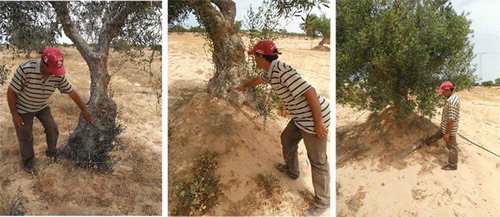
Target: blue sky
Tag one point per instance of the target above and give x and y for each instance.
(485, 18)
(242, 7)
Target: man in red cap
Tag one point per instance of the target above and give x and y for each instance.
(310, 120)
(32, 84)
(449, 124)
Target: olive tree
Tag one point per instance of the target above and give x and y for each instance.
(396, 53)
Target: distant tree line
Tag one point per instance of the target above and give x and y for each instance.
(236, 27)
(490, 83)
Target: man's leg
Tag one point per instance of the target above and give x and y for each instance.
(316, 152)
(290, 139)
(25, 138)
(452, 147)
(51, 130)
(438, 135)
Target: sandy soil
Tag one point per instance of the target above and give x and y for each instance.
(249, 147)
(133, 188)
(373, 180)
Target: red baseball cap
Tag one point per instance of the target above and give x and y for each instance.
(444, 86)
(54, 59)
(264, 47)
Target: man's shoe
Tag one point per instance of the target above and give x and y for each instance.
(313, 210)
(29, 166)
(449, 167)
(284, 169)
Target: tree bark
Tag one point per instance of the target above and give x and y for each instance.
(228, 54)
(94, 141)
(325, 40)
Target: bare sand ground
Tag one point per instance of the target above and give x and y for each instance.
(373, 181)
(249, 147)
(133, 188)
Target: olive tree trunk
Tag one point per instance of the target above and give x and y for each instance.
(89, 144)
(228, 48)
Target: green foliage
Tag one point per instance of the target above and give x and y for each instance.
(92, 150)
(198, 29)
(261, 23)
(196, 195)
(291, 8)
(29, 26)
(315, 26)
(178, 11)
(487, 83)
(237, 26)
(497, 82)
(177, 28)
(269, 183)
(397, 53)
(4, 72)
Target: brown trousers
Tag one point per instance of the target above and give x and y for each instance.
(316, 152)
(451, 145)
(25, 134)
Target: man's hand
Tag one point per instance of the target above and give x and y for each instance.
(446, 137)
(321, 130)
(240, 88)
(18, 120)
(86, 114)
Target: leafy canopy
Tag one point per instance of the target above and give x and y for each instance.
(396, 53)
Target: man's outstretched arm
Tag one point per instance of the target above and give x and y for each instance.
(254, 82)
(86, 114)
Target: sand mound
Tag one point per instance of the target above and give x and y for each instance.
(248, 148)
(321, 48)
(382, 139)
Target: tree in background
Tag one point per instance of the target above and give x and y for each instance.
(487, 83)
(497, 82)
(315, 26)
(396, 53)
(20, 27)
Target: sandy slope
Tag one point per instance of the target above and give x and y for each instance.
(376, 182)
(64, 189)
(250, 147)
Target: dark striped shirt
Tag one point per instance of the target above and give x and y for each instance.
(451, 111)
(31, 92)
(290, 87)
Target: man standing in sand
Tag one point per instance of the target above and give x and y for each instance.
(449, 124)
(310, 121)
(31, 86)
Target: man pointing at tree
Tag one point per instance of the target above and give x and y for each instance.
(310, 120)
(32, 84)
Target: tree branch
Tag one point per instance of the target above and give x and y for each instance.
(112, 27)
(81, 44)
(227, 8)
(208, 15)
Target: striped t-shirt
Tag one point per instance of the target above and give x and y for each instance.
(289, 86)
(31, 92)
(451, 111)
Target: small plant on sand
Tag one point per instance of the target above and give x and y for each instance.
(220, 122)
(4, 72)
(195, 196)
(269, 183)
(12, 207)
